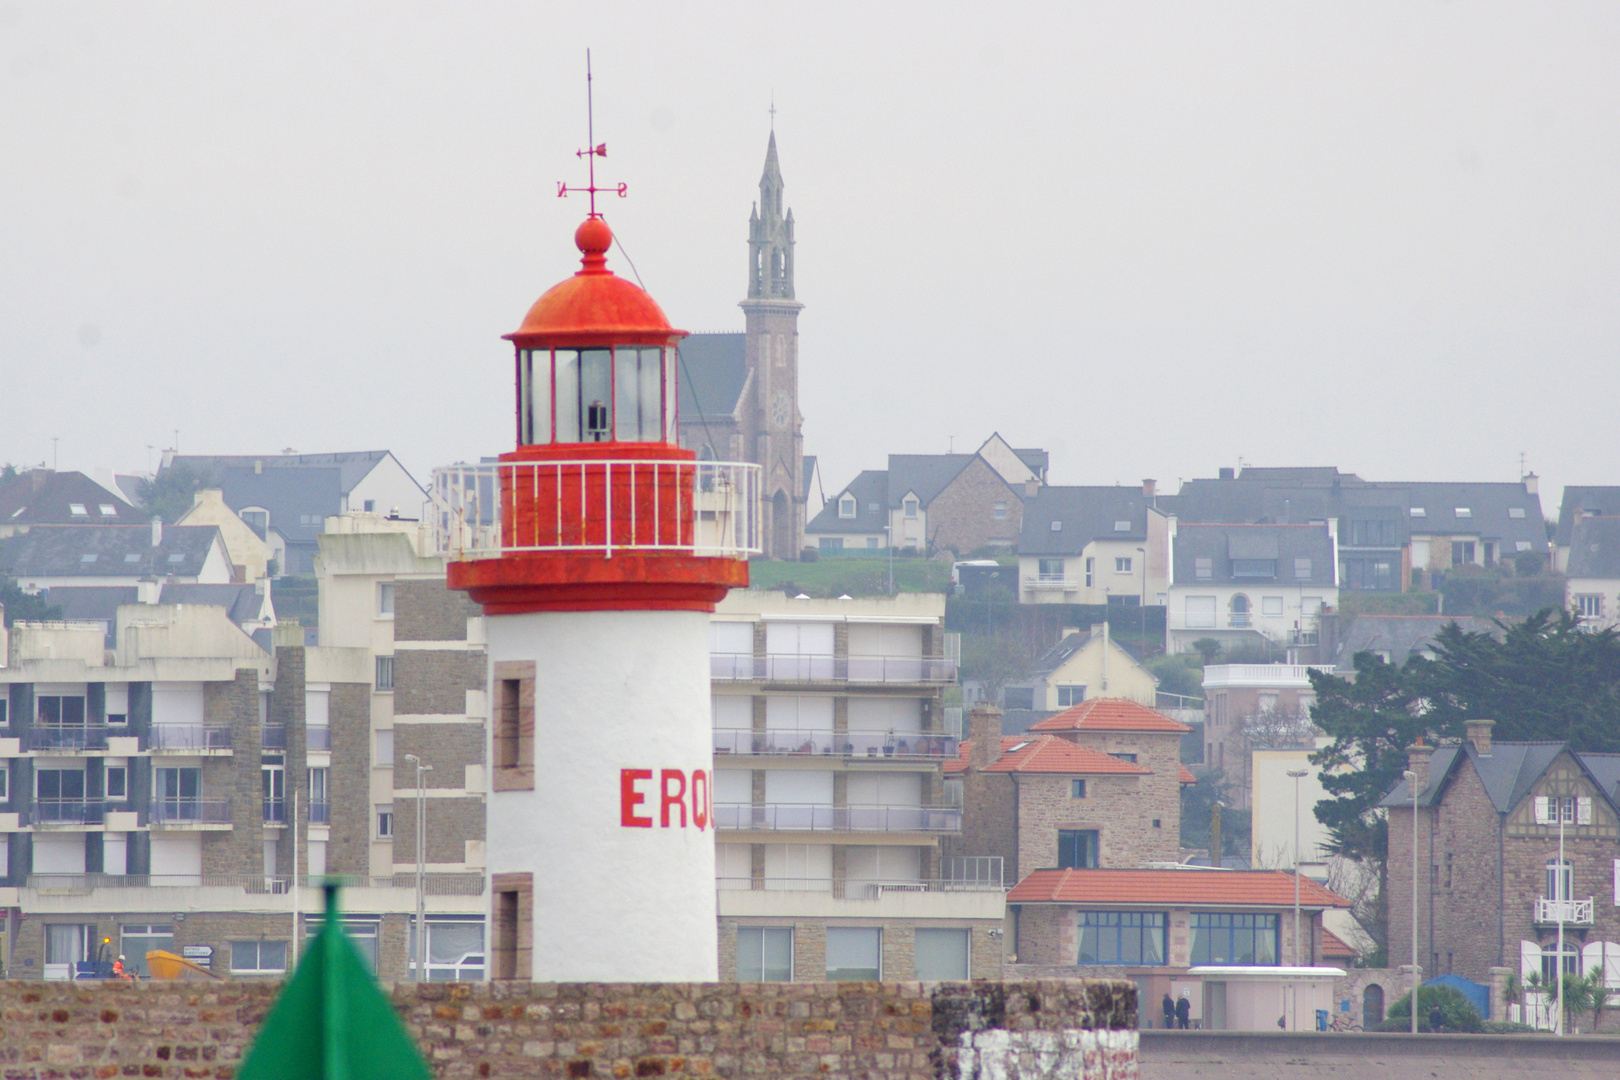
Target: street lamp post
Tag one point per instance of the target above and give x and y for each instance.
(1411, 782)
(1559, 900)
(421, 851)
(888, 541)
(1297, 774)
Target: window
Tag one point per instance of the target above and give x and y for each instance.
(831, 543)
(77, 509)
(177, 557)
(273, 782)
(4, 711)
(176, 794)
(846, 506)
(1091, 569)
(1254, 568)
(117, 782)
(137, 939)
(1200, 612)
(1049, 568)
(132, 557)
(1418, 511)
(1515, 511)
(764, 954)
(455, 949)
(1521, 545)
(1122, 937)
(1122, 564)
(1271, 605)
(5, 781)
(1465, 512)
(1077, 788)
(1550, 965)
(88, 557)
(512, 944)
(940, 953)
(109, 510)
(1077, 849)
(854, 954)
(1125, 757)
(385, 673)
(1232, 938)
(1070, 695)
(1122, 526)
(1302, 569)
(59, 709)
(385, 599)
(1204, 568)
(385, 748)
(872, 541)
(320, 810)
(369, 506)
(59, 795)
(513, 737)
(360, 929)
(116, 704)
(385, 821)
(910, 505)
(1057, 526)
(258, 956)
(1590, 605)
(1462, 551)
(1000, 511)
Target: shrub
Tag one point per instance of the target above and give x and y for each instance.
(1505, 1027)
(1457, 1013)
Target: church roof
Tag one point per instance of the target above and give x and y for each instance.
(714, 371)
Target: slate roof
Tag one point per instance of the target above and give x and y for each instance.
(1110, 714)
(100, 603)
(1488, 518)
(925, 475)
(714, 370)
(242, 603)
(1507, 773)
(1584, 500)
(1083, 514)
(45, 497)
(1222, 544)
(107, 551)
(1060, 653)
(1051, 754)
(870, 489)
(352, 466)
(1315, 474)
(1398, 635)
(1172, 888)
(1594, 548)
(1037, 460)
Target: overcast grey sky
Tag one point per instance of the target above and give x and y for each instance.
(1152, 238)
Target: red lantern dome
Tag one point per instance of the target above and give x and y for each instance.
(595, 305)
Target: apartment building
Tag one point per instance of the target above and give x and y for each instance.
(1243, 701)
(830, 800)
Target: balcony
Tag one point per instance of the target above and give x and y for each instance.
(68, 812)
(71, 737)
(815, 817)
(189, 738)
(320, 813)
(849, 744)
(851, 889)
(183, 812)
(273, 737)
(804, 668)
(275, 811)
(1568, 912)
(488, 511)
(318, 738)
(1051, 583)
(1239, 620)
(82, 883)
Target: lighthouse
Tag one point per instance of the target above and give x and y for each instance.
(598, 549)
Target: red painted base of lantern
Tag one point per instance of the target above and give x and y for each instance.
(520, 583)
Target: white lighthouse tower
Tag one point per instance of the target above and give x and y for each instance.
(598, 549)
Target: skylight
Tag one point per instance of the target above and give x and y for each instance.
(77, 509)
(108, 510)
(132, 557)
(1465, 511)
(17, 513)
(1515, 511)
(88, 557)
(1418, 511)
(177, 557)
(1057, 526)
(1122, 526)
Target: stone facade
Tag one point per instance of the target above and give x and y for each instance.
(963, 516)
(451, 822)
(1117, 807)
(348, 851)
(449, 748)
(900, 1031)
(434, 682)
(427, 610)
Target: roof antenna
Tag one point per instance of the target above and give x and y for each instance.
(592, 150)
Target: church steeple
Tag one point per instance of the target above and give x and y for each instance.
(770, 236)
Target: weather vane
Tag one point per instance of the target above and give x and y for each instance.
(592, 150)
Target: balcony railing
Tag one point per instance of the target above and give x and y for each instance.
(1569, 912)
(803, 668)
(273, 737)
(68, 812)
(318, 738)
(814, 817)
(71, 737)
(189, 812)
(320, 813)
(432, 884)
(190, 737)
(1238, 620)
(275, 811)
(870, 744)
(1051, 583)
(851, 889)
(707, 508)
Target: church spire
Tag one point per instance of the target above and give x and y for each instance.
(770, 236)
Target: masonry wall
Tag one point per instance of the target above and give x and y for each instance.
(900, 1031)
(962, 517)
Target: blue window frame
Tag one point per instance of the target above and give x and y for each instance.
(1224, 937)
(1122, 937)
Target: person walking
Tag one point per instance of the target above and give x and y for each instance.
(1435, 1018)
(1183, 1011)
(1169, 1010)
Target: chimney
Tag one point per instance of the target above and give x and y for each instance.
(157, 531)
(1032, 488)
(1417, 760)
(1215, 836)
(1532, 484)
(1479, 733)
(148, 591)
(39, 476)
(286, 633)
(1150, 488)
(258, 468)
(984, 736)
(1228, 474)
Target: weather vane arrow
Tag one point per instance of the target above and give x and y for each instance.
(592, 151)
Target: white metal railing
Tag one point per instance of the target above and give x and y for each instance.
(1055, 582)
(190, 737)
(820, 667)
(435, 884)
(1570, 912)
(818, 817)
(708, 508)
(852, 743)
(852, 888)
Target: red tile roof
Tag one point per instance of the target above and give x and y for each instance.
(965, 753)
(1333, 945)
(1187, 777)
(1171, 888)
(1110, 714)
(1051, 754)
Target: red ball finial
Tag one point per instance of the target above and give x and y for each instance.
(593, 237)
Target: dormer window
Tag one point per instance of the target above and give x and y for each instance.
(910, 505)
(847, 506)
(77, 509)
(595, 395)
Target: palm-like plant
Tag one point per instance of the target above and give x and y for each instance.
(1577, 997)
(1598, 995)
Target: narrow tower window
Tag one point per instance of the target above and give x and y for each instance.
(513, 735)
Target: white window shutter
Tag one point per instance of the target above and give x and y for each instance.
(1583, 810)
(1529, 959)
(1543, 811)
(1617, 883)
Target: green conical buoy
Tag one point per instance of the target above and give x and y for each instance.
(332, 1022)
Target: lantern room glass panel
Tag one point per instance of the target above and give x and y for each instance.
(595, 395)
(534, 397)
(638, 394)
(671, 413)
(565, 364)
